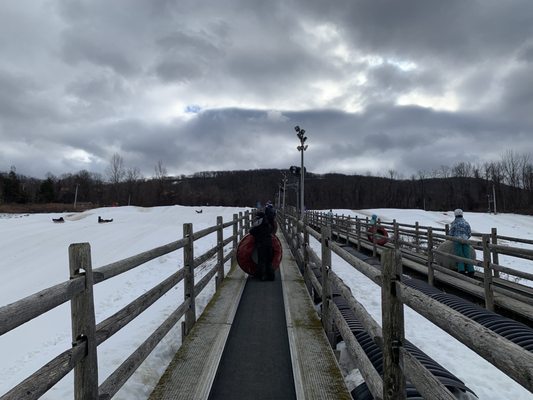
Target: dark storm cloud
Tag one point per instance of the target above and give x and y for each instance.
(405, 85)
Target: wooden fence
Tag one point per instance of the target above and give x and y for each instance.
(87, 335)
(419, 251)
(399, 364)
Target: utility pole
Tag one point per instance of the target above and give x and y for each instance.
(76, 195)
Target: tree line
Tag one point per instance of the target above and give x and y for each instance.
(472, 187)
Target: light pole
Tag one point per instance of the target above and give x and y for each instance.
(303, 147)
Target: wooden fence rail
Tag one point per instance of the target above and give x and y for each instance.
(399, 364)
(87, 335)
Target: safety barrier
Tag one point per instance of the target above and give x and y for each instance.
(87, 335)
(399, 364)
(419, 245)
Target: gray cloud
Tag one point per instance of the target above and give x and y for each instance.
(378, 85)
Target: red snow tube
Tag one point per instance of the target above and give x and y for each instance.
(380, 231)
(246, 256)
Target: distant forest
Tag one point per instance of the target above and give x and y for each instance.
(464, 185)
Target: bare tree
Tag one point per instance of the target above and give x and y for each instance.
(160, 171)
(133, 178)
(510, 162)
(160, 176)
(116, 173)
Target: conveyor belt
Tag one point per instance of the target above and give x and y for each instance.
(256, 362)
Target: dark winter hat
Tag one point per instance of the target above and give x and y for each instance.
(458, 212)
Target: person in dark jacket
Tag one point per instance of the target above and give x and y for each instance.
(461, 229)
(263, 228)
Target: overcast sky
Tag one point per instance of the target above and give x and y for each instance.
(219, 85)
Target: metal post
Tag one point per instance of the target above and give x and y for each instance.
(301, 135)
(302, 209)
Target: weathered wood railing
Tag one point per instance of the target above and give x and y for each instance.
(399, 364)
(419, 245)
(87, 335)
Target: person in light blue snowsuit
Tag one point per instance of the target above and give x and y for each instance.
(461, 229)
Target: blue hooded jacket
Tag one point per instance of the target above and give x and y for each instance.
(460, 228)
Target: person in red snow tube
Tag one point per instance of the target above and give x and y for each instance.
(259, 253)
(382, 236)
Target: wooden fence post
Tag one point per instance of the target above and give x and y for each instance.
(447, 229)
(235, 238)
(241, 224)
(327, 318)
(220, 253)
(374, 239)
(396, 235)
(358, 232)
(487, 274)
(307, 270)
(495, 258)
(188, 280)
(417, 237)
(431, 271)
(84, 323)
(393, 327)
(348, 225)
(247, 221)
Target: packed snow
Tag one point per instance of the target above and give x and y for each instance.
(34, 256)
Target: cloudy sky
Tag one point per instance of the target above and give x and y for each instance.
(220, 84)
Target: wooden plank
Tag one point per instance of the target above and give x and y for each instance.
(202, 283)
(111, 325)
(204, 232)
(38, 383)
(316, 372)
(513, 272)
(24, 310)
(118, 378)
(370, 375)
(192, 371)
(502, 353)
(367, 270)
(206, 256)
(367, 321)
(424, 381)
(110, 270)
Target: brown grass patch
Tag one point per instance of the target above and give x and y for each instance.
(14, 208)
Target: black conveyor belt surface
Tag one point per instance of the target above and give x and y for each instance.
(256, 362)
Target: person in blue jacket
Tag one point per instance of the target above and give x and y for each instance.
(459, 228)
